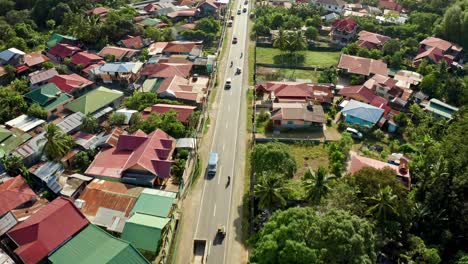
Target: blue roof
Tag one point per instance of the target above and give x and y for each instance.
(363, 111)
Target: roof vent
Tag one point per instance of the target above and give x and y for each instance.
(310, 106)
(80, 203)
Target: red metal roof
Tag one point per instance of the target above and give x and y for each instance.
(47, 229)
(434, 54)
(62, 50)
(149, 152)
(150, 8)
(133, 42)
(346, 24)
(35, 58)
(363, 66)
(179, 47)
(183, 111)
(13, 193)
(69, 83)
(166, 70)
(85, 58)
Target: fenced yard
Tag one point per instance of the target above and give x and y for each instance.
(320, 59)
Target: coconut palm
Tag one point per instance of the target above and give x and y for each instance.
(57, 144)
(281, 42)
(382, 205)
(297, 42)
(270, 190)
(316, 184)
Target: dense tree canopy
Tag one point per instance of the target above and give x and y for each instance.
(300, 235)
(275, 157)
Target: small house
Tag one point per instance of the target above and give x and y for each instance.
(357, 113)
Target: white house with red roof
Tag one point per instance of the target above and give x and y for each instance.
(362, 66)
(343, 31)
(72, 84)
(85, 58)
(138, 158)
(182, 89)
(371, 40)
(61, 51)
(296, 92)
(435, 50)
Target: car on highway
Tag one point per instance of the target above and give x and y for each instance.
(212, 164)
(244, 10)
(238, 11)
(234, 40)
(246, 2)
(228, 83)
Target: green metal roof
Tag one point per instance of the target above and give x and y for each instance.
(150, 22)
(154, 202)
(94, 245)
(56, 38)
(151, 85)
(9, 141)
(440, 108)
(49, 96)
(144, 231)
(94, 100)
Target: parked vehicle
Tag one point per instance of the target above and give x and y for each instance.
(212, 163)
(228, 83)
(229, 23)
(199, 251)
(354, 133)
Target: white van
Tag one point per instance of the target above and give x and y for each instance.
(228, 83)
(354, 133)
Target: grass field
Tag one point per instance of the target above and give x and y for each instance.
(304, 58)
(309, 155)
(277, 74)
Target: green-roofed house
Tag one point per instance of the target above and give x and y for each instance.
(149, 22)
(10, 140)
(440, 109)
(101, 99)
(49, 97)
(150, 220)
(57, 38)
(94, 245)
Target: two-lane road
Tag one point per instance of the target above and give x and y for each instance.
(217, 196)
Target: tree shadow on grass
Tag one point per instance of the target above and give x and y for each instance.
(289, 59)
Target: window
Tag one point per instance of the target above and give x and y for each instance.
(290, 122)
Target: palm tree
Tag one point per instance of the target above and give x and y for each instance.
(57, 144)
(297, 42)
(281, 42)
(382, 205)
(316, 184)
(270, 190)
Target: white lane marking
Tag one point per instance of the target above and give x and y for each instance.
(214, 211)
(227, 124)
(209, 247)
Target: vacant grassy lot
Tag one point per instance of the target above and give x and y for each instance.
(277, 74)
(308, 155)
(304, 58)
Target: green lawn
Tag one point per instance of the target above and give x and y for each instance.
(278, 74)
(304, 58)
(309, 155)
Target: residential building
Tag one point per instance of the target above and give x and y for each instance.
(184, 90)
(362, 66)
(132, 42)
(126, 72)
(94, 245)
(336, 6)
(33, 236)
(61, 51)
(390, 5)
(138, 158)
(362, 94)
(183, 111)
(355, 112)
(85, 59)
(183, 13)
(10, 140)
(402, 171)
(151, 221)
(406, 79)
(47, 172)
(98, 99)
(24, 123)
(39, 78)
(73, 185)
(49, 97)
(371, 40)
(296, 92)
(72, 84)
(12, 56)
(57, 38)
(343, 31)
(34, 59)
(298, 115)
(167, 70)
(14, 193)
(207, 8)
(98, 11)
(435, 50)
(118, 53)
(440, 109)
(108, 204)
